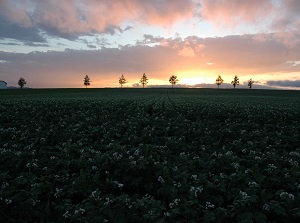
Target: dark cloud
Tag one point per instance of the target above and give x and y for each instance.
(128, 28)
(16, 32)
(91, 46)
(11, 44)
(285, 83)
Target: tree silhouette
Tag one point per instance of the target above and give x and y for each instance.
(22, 82)
(219, 81)
(86, 81)
(235, 81)
(173, 80)
(122, 80)
(250, 83)
(144, 80)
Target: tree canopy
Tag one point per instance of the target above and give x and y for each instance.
(122, 80)
(235, 81)
(144, 80)
(173, 80)
(22, 82)
(86, 81)
(219, 81)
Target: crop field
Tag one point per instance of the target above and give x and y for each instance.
(149, 155)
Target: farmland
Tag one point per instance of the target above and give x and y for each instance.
(149, 155)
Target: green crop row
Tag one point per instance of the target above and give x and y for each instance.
(159, 155)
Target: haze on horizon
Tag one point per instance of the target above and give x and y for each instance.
(54, 44)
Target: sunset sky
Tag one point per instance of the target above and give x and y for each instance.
(55, 43)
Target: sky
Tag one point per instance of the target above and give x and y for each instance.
(54, 43)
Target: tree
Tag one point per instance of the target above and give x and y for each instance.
(219, 81)
(122, 80)
(144, 80)
(235, 81)
(86, 81)
(22, 82)
(173, 80)
(250, 83)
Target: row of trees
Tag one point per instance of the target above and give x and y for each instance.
(144, 81)
(173, 80)
(235, 81)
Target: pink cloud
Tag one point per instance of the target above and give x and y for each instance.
(235, 12)
(280, 17)
(16, 11)
(79, 16)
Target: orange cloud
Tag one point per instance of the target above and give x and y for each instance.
(228, 56)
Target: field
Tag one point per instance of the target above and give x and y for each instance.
(149, 155)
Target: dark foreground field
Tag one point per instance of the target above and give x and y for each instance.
(149, 155)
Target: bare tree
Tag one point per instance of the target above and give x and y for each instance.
(235, 81)
(250, 83)
(219, 81)
(122, 80)
(86, 81)
(173, 80)
(22, 82)
(144, 80)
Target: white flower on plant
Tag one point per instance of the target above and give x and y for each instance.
(34, 202)
(209, 205)
(194, 177)
(176, 184)
(67, 214)
(57, 192)
(120, 185)
(253, 184)
(108, 201)
(8, 201)
(272, 167)
(235, 165)
(286, 195)
(244, 195)
(167, 214)
(160, 179)
(266, 207)
(133, 162)
(293, 162)
(136, 152)
(196, 190)
(80, 211)
(174, 203)
(4, 185)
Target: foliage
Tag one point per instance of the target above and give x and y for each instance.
(173, 80)
(86, 81)
(219, 81)
(235, 81)
(144, 80)
(122, 80)
(149, 156)
(250, 83)
(22, 82)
